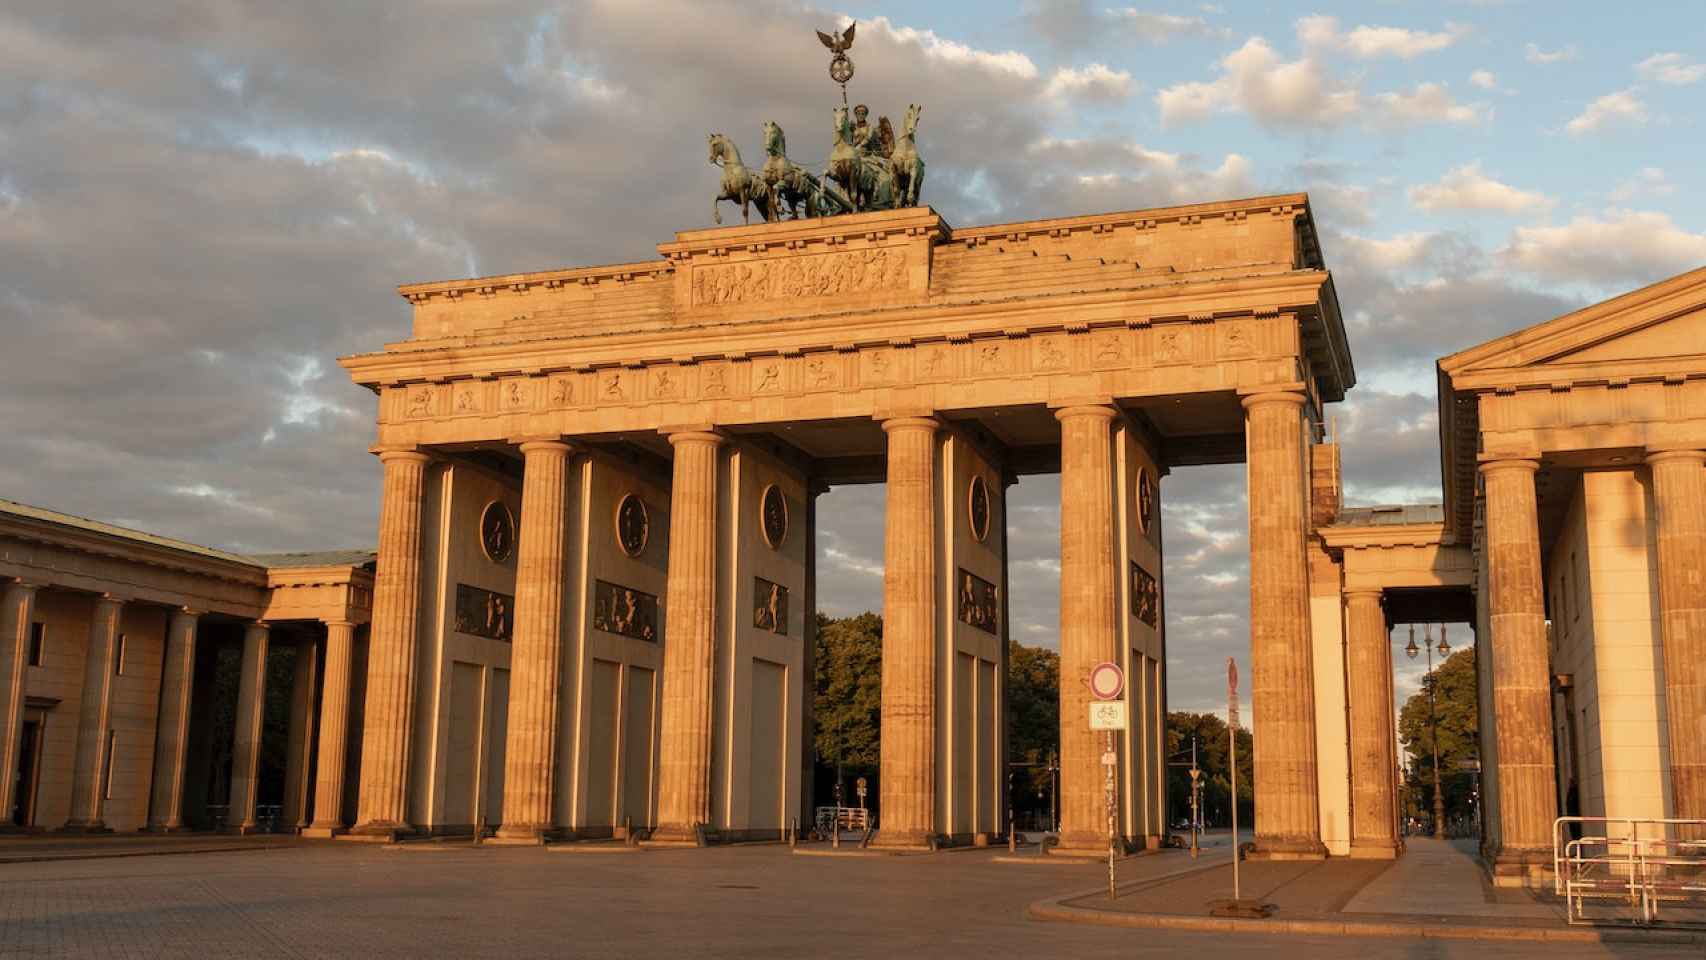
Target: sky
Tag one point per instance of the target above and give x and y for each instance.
(203, 204)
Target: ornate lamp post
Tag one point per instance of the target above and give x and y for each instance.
(1433, 713)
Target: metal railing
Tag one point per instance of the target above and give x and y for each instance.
(1630, 869)
(845, 818)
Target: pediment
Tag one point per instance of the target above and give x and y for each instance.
(1664, 321)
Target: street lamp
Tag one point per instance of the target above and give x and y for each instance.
(1433, 713)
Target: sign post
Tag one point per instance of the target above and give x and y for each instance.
(1232, 761)
(1108, 714)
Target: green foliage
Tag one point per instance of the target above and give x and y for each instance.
(1454, 684)
(1211, 740)
(847, 711)
(1033, 721)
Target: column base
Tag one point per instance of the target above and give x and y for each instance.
(243, 830)
(522, 835)
(1277, 849)
(1374, 850)
(1079, 843)
(898, 839)
(378, 832)
(1519, 868)
(85, 826)
(165, 828)
(323, 831)
(680, 835)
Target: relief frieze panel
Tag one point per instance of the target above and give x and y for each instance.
(793, 278)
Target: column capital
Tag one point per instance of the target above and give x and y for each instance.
(1670, 456)
(1375, 593)
(911, 423)
(111, 599)
(1101, 410)
(19, 583)
(1497, 464)
(694, 434)
(555, 445)
(388, 453)
(351, 624)
(1295, 398)
(257, 626)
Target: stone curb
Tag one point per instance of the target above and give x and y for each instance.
(1055, 909)
(116, 854)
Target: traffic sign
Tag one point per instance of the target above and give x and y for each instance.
(861, 786)
(1107, 715)
(1107, 681)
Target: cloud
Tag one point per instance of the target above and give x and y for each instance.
(1094, 83)
(1073, 25)
(1160, 27)
(1485, 79)
(1621, 248)
(1533, 54)
(1370, 43)
(1303, 94)
(1649, 182)
(1622, 108)
(1467, 188)
(1671, 68)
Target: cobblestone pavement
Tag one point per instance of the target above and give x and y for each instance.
(361, 901)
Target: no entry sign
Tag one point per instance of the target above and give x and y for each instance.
(1107, 681)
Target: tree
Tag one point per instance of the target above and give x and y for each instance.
(1456, 698)
(1210, 733)
(847, 708)
(1033, 722)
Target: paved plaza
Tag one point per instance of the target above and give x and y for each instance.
(332, 899)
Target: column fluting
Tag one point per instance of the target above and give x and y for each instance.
(1679, 500)
(246, 742)
(536, 665)
(17, 612)
(334, 731)
(94, 718)
(1373, 754)
(1282, 664)
(171, 739)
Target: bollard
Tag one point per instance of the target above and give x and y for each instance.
(1012, 838)
(480, 831)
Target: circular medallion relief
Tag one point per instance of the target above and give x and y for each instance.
(1145, 499)
(633, 526)
(773, 516)
(977, 507)
(497, 532)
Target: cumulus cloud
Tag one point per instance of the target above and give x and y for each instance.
(1622, 108)
(1159, 27)
(1467, 188)
(1073, 25)
(1094, 83)
(1304, 94)
(1533, 54)
(1649, 182)
(1671, 68)
(1622, 247)
(1369, 43)
(1485, 79)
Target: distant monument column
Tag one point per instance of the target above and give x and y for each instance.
(171, 742)
(94, 719)
(246, 743)
(690, 640)
(1679, 498)
(1374, 766)
(1088, 574)
(388, 715)
(907, 781)
(1282, 667)
(536, 663)
(1522, 690)
(17, 612)
(334, 732)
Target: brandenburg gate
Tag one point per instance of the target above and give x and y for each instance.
(596, 590)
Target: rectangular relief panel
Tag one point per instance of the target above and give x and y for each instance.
(625, 611)
(1143, 595)
(483, 613)
(769, 606)
(979, 602)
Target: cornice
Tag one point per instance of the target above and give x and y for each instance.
(92, 543)
(1382, 536)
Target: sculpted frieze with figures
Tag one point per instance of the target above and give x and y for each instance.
(819, 275)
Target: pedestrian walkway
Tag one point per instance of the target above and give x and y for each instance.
(1444, 878)
(38, 847)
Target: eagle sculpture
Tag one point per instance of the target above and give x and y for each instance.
(838, 44)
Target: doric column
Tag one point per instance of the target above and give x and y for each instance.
(94, 718)
(334, 730)
(172, 732)
(1679, 501)
(17, 612)
(246, 740)
(388, 714)
(300, 750)
(1368, 678)
(1522, 698)
(536, 663)
(907, 784)
(1282, 669)
(1088, 636)
(689, 650)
